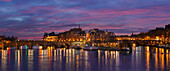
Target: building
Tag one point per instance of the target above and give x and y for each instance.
(100, 35)
(167, 33)
(4, 39)
(75, 34)
(167, 26)
(162, 34)
(50, 37)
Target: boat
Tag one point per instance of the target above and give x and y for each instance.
(167, 45)
(161, 46)
(124, 49)
(164, 46)
(90, 48)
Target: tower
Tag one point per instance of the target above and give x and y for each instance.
(167, 26)
(79, 25)
(132, 34)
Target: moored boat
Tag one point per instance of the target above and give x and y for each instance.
(124, 49)
(90, 48)
(167, 45)
(164, 46)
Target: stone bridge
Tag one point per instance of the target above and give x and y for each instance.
(114, 43)
(45, 44)
(127, 43)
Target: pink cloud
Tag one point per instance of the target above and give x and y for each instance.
(20, 31)
(127, 33)
(39, 28)
(3, 29)
(55, 30)
(104, 16)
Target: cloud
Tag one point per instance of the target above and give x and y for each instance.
(6, 0)
(31, 18)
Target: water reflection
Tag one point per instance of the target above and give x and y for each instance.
(30, 60)
(61, 59)
(4, 59)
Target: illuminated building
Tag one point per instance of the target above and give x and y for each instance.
(50, 37)
(123, 37)
(75, 34)
(96, 35)
(100, 35)
(4, 39)
(126, 37)
(161, 34)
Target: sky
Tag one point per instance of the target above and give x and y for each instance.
(29, 19)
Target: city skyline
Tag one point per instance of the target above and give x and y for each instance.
(30, 19)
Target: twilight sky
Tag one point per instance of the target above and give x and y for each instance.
(29, 19)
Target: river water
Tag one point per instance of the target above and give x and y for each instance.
(60, 59)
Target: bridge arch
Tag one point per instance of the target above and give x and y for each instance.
(45, 44)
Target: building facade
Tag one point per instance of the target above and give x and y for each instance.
(162, 34)
(75, 34)
(50, 37)
(100, 35)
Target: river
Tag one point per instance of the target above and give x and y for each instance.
(60, 59)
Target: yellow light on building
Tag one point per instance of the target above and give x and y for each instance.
(89, 39)
(40, 47)
(134, 45)
(157, 37)
(81, 40)
(147, 38)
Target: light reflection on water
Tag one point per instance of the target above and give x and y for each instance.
(61, 59)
